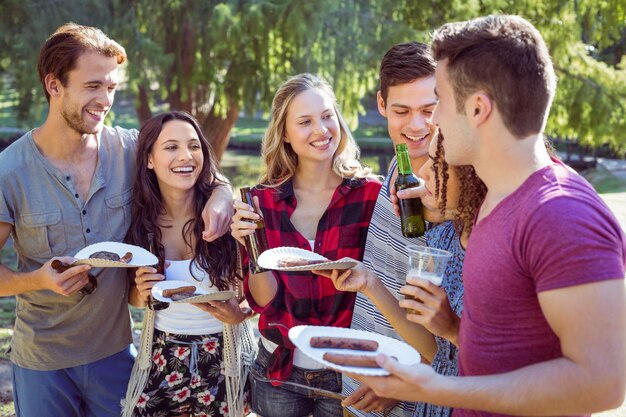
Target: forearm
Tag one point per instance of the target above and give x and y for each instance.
(225, 186)
(263, 287)
(414, 334)
(13, 283)
(134, 297)
(556, 387)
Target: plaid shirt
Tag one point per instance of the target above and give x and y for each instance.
(303, 297)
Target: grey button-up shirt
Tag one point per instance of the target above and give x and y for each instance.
(49, 219)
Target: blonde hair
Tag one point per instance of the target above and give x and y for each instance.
(280, 159)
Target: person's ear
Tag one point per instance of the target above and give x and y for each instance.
(479, 107)
(381, 104)
(53, 85)
(150, 164)
(286, 139)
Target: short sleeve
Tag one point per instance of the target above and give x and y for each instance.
(570, 242)
(5, 214)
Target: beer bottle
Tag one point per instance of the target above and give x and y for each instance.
(411, 210)
(256, 243)
(154, 304)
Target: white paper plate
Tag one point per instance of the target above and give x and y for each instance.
(157, 293)
(269, 260)
(301, 337)
(141, 257)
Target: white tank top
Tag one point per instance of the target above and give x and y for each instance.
(185, 318)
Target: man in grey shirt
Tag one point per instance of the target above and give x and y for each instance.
(63, 186)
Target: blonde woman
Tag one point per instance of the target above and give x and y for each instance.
(313, 195)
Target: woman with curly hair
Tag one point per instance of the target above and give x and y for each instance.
(176, 173)
(453, 195)
(314, 195)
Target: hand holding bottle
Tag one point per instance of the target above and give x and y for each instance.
(253, 233)
(407, 193)
(145, 278)
(244, 221)
(411, 210)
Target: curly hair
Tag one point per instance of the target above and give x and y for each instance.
(472, 189)
(280, 159)
(217, 258)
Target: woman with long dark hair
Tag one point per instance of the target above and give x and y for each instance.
(176, 174)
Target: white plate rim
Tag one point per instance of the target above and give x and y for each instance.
(301, 335)
(270, 257)
(204, 295)
(141, 257)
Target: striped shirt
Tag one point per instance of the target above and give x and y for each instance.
(385, 254)
(302, 298)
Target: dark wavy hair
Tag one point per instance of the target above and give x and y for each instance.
(472, 189)
(217, 258)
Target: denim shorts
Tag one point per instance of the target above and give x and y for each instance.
(286, 401)
(91, 390)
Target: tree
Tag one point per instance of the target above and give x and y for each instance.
(217, 59)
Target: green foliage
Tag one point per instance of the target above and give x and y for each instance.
(217, 58)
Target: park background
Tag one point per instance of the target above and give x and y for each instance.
(223, 60)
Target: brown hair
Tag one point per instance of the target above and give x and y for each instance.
(59, 53)
(472, 189)
(218, 258)
(506, 57)
(280, 159)
(403, 64)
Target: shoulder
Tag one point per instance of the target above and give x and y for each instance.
(441, 235)
(119, 135)
(562, 196)
(15, 154)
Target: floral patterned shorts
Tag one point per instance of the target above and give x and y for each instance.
(185, 378)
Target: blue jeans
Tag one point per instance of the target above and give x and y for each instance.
(286, 401)
(91, 390)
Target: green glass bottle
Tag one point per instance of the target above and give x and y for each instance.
(411, 210)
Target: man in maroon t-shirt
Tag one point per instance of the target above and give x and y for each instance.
(543, 330)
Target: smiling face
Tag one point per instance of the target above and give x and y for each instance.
(311, 126)
(408, 109)
(88, 95)
(176, 156)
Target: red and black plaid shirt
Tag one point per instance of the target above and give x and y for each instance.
(303, 297)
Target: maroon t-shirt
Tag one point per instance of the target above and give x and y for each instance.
(554, 231)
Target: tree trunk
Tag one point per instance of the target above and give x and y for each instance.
(142, 105)
(218, 129)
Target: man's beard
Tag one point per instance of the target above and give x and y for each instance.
(75, 122)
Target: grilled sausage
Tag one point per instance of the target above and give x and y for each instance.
(290, 261)
(128, 256)
(180, 290)
(364, 361)
(344, 343)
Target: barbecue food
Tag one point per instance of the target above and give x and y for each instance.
(344, 343)
(290, 261)
(180, 293)
(128, 256)
(103, 254)
(111, 256)
(364, 361)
